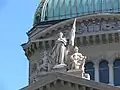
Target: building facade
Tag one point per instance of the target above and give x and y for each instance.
(97, 35)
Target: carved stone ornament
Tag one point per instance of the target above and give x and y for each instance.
(43, 67)
(39, 69)
(88, 26)
(77, 60)
(56, 59)
(59, 49)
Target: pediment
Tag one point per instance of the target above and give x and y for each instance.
(86, 25)
(58, 78)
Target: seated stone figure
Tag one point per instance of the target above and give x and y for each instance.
(77, 60)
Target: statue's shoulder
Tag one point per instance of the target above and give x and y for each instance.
(80, 53)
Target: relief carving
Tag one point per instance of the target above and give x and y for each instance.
(86, 26)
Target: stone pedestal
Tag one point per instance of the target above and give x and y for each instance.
(60, 67)
(76, 73)
(80, 74)
(86, 76)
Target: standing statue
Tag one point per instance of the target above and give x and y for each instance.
(77, 60)
(58, 51)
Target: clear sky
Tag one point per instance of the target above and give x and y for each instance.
(16, 18)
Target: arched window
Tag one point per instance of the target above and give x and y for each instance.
(89, 68)
(117, 72)
(104, 72)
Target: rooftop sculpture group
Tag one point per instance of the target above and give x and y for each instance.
(61, 53)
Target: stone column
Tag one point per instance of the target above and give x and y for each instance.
(43, 43)
(96, 67)
(111, 76)
(83, 88)
(50, 44)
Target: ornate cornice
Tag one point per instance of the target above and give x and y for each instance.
(91, 30)
(100, 22)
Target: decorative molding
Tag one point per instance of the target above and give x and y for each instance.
(86, 27)
(89, 32)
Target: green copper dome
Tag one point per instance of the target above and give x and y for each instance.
(63, 9)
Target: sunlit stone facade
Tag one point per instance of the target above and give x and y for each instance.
(97, 37)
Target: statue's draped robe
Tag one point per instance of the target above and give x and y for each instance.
(58, 51)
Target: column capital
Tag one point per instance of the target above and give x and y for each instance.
(117, 55)
(96, 66)
(96, 63)
(110, 62)
(110, 65)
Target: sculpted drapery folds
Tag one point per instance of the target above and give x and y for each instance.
(63, 56)
(58, 51)
(77, 60)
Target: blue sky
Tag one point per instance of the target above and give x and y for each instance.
(16, 18)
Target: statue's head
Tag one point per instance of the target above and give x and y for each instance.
(76, 49)
(60, 35)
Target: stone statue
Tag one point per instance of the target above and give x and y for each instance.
(58, 51)
(77, 60)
